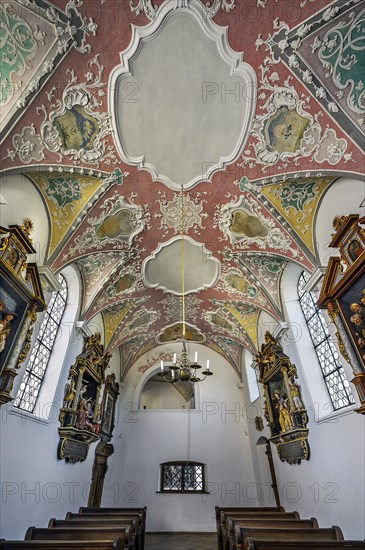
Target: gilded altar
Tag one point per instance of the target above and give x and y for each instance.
(285, 412)
(81, 413)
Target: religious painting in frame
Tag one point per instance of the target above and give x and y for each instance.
(277, 392)
(13, 308)
(343, 295)
(21, 297)
(352, 306)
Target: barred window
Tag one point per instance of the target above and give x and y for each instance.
(183, 477)
(328, 357)
(39, 357)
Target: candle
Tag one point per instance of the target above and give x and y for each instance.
(174, 359)
(207, 364)
(161, 365)
(196, 357)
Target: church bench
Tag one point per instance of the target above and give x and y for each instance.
(61, 545)
(253, 512)
(109, 515)
(242, 534)
(219, 509)
(237, 509)
(83, 533)
(112, 516)
(132, 522)
(260, 523)
(258, 544)
(223, 527)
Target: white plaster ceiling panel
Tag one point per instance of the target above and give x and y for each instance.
(183, 101)
(163, 269)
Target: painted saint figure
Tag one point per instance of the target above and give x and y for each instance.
(285, 419)
(5, 327)
(295, 393)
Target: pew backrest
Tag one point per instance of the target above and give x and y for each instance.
(243, 533)
(219, 509)
(98, 522)
(80, 533)
(61, 545)
(258, 544)
(258, 515)
(115, 510)
(310, 523)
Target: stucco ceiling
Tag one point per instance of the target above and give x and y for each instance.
(248, 105)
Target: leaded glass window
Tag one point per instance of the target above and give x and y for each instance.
(328, 357)
(39, 358)
(183, 477)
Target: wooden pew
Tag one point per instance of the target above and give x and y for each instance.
(83, 534)
(222, 513)
(242, 516)
(113, 515)
(219, 509)
(61, 545)
(258, 544)
(231, 525)
(242, 534)
(81, 521)
(233, 509)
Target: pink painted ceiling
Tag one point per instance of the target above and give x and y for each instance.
(251, 261)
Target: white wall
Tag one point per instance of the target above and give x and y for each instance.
(330, 486)
(159, 395)
(343, 197)
(35, 485)
(146, 438)
(30, 206)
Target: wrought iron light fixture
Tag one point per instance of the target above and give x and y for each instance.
(184, 371)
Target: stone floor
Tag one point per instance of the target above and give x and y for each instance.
(181, 541)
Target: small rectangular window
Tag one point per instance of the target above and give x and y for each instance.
(183, 477)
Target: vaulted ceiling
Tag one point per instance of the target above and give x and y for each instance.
(245, 111)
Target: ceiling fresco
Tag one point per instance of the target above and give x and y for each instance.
(255, 108)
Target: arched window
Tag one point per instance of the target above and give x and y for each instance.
(39, 358)
(182, 477)
(328, 357)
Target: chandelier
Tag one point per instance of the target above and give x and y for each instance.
(184, 370)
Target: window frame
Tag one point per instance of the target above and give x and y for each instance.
(337, 367)
(39, 348)
(182, 490)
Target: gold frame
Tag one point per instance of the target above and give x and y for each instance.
(21, 287)
(343, 287)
